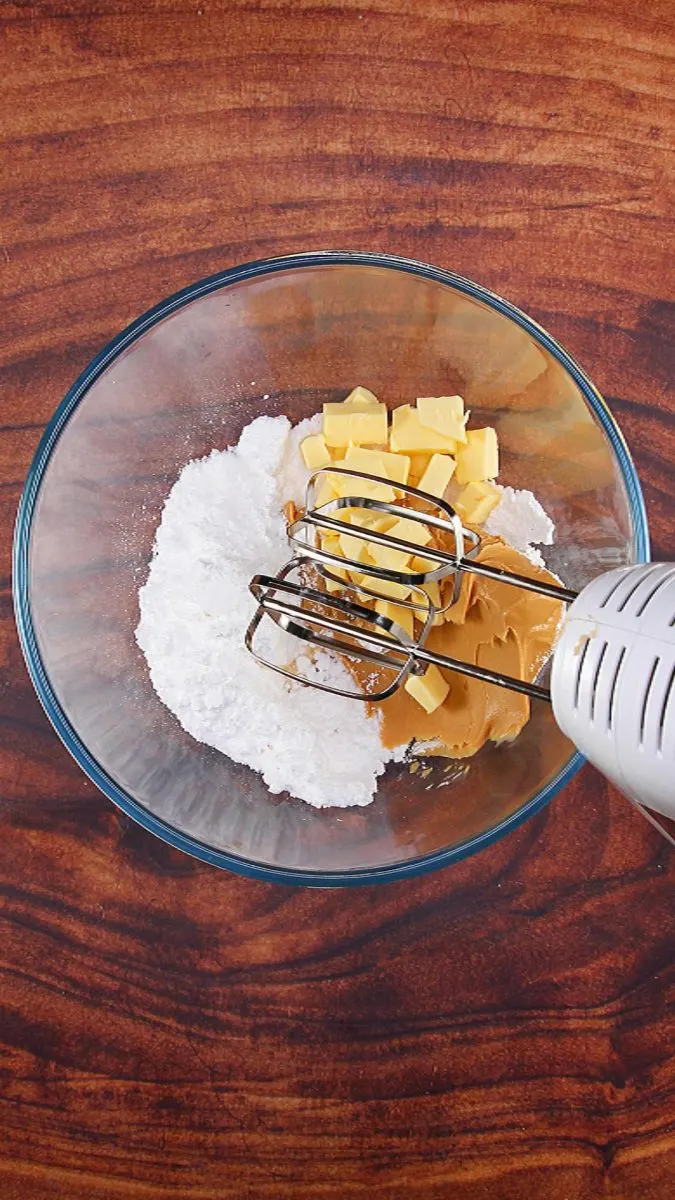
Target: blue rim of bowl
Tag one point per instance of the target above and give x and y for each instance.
(91, 373)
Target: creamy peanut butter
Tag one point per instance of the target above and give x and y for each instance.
(494, 625)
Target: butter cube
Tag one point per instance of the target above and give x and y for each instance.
(387, 557)
(476, 501)
(437, 475)
(423, 565)
(382, 524)
(396, 612)
(444, 414)
(329, 541)
(325, 492)
(433, 591)
(355, 423)
(418, 465)
(386, 588)
(346, 485)
(479, 458)
(353, 516)
(409, 434)
(359, 458)
(394, 466)
(410, 531)
(429, 690)
(361, 396)
(331, 585)
(353, 547)
(315, 451)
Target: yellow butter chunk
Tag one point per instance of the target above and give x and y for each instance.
(362, 396)
(325, 492)
(394, 466)
(418, 465)
(353, 516)
(382, 523)
(388, 557)
(409, 434)
(353, 547)
(437, 475)
(359, 458)
(429, 690)
(331, 585)
(385, 587)
(433, 591)
(396, 612)
(444, 414)
(347, 485)
(329, 541)
(315, 451)
(410, 531)
(476, 501)
(424, 565)
(356, 423)
(479, 458)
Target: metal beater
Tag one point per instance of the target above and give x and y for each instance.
(613, 668)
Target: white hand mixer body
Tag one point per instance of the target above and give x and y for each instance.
(613, 680)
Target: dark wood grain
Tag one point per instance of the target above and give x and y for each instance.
(502, 1029)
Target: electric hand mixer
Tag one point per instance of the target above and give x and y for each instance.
(613, 667)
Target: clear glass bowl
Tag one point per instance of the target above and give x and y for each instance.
(283, 336)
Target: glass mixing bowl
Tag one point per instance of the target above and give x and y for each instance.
(283, 336)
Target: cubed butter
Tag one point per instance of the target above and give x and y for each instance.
(388, 557)
(358, 424)
(315, 451)
(353, 547)
(382, 523)
(325, 491)
(429, 690)
(396, 612)
(437, 475)
(476, 501)
(423, 565)
(332, 585)
(433, 591)
(347, 485)
(386, 588)
(361, 396)
(410, 531)
(409, 434)
(479, 458)
(444, 414)
(329, 541)
(418, 465)
(360, 458)
(394, 466)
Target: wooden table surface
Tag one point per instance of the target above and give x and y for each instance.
(501, 1029)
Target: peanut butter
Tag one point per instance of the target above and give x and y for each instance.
(494, 625)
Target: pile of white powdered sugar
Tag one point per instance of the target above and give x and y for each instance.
(221, 524)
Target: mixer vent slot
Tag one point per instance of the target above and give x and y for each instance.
(580, 671)
(654, 591)
(596, 678)
(641, 578)
(669, 693)
(645, 702)
(614, 588)
(612, 694)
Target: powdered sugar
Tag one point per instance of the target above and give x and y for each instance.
(522, 522)
(221, 524)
